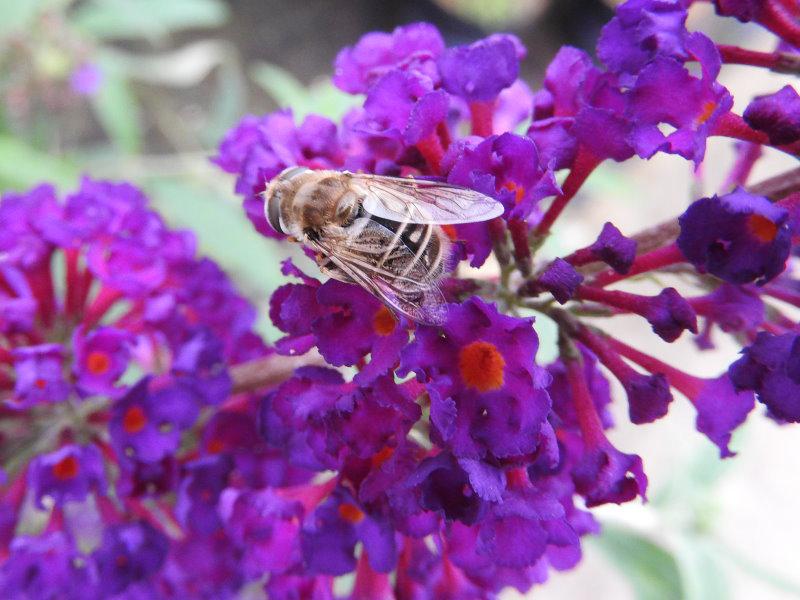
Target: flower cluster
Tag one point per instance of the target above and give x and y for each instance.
(420, 461)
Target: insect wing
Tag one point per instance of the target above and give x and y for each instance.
(372, 258)
(424, 202)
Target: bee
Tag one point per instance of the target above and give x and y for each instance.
(382, 233)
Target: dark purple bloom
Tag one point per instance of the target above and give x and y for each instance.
(564, 414)
(478, 374)
(739, 237)
(743, 10)
(201, 485)
(200, 365)
(771, 368)
(641, 31)
(147, 424)
(670, 314)
(101, 357)
(68, 474)
(666, 93)
(22, 216)
(560, 279)
(733, 307)
(777, 115)
(130, 553)
(409, 48)
(611, 247)
(720, 410)
(266, 527)
(480, 71)
(329, 536)
(46, 566)
(444, 487)
(39, 376)
(603, 474)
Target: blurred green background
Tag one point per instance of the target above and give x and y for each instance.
(143, 90)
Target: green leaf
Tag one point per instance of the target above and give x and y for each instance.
(19, 14)
(117, 108)
(701, 572)
(651, 569)
(322, 98)
(227, 103)
(22, 166)
(151, 19)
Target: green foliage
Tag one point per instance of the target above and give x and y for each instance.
(150, 19)
(116, 106)
(321, 97)
(22, 166)
(652, 570)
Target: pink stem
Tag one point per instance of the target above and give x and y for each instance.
(782, 62)
(745, 161)
(585, 163)
(650, 261)
(104, 300)
(40, 281)
(482, 114)
(433, 152)
(588, 420)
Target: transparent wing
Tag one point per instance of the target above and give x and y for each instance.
(386, 269)
(424, 202)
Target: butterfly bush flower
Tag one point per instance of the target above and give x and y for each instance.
(418, 459)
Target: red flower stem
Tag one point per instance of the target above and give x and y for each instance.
(482, 115)
(444, 134)
(107, 509)
(522, 249)
(40, 281)
(585, 163)
(792, 298)
(686, 384)
(607, 355)
(780, 62)
(623, 300)
(497, 232)
(644, 263)
(733, 126)
(309, 495)
(105, 299)
(588, 420)
(433, 152)
(370, 585)
(776, 17)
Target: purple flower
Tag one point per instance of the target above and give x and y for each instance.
(777, 115)
(200, 489)
(480, 71)
(565, 414)
(46, 566)
(259, 148)
(771, 368)
(39, 376)
(68, 474)
(733, 307)
(101, 357)
(409, 48)
(560, 279)
(691, 114)
(743, 10)
(86, 79)
(641, 31)
(603, 474)
(329, 536)
(478, 370)
(146, 423)
(129, 554)
(720, 410)
(739, 237)
(611, 247)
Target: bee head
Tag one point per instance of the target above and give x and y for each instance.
(274, 194)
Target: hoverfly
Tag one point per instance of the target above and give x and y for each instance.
(382, 233)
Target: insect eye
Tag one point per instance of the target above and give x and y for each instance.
(274, 210)
(291, 172)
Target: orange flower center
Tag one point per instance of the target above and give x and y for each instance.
(450, 231)
(66, 468)
(134, 420)
(762, 228)
(481, 366)
(519, 192)
(215, 446)
(708, 110)
(384, 322)
(98, 362)
(350, 513)
(40, 383)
